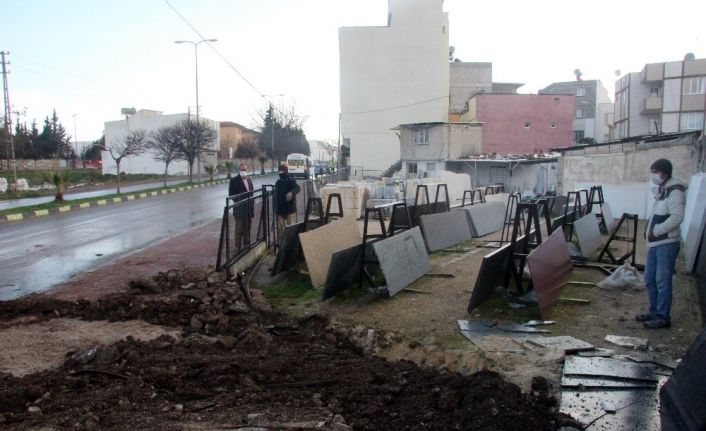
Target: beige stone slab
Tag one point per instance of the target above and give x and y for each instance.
(321, 243)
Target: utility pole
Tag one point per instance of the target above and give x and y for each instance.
(8, 115)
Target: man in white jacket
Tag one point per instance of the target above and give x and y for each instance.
(662, 234)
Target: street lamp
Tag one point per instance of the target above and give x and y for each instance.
(196, 58)
(75, 139)
(272, 125)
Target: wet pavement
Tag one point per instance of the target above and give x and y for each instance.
(39, 253)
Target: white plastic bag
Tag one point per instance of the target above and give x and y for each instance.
(625, 277)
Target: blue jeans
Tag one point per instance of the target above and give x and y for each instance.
(659, 268)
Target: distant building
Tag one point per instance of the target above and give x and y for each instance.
(232, 134)
(393, 75)
(516, 124)
(593, 116)
(663, 98)
(149, 121)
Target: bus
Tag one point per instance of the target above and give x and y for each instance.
(299, 165)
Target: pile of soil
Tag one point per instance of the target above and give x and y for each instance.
(240, 367)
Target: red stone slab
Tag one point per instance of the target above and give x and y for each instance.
(550, 265)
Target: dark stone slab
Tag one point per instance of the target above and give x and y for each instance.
(603, 383)
(344, 270)
(485, 218)
(550, 266)
(608, 368)
(483, 328)
(683, 397)
(566, 343)
(290, 249)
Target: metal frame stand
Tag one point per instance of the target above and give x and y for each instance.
(364, 275)
(630, 239)
(319, 221)
(473, 197)
(595, 197)
(329, 201)
(512, 270)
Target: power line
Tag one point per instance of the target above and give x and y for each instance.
(216, 51)
(392, 108)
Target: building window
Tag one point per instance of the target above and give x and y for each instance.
(431, 167)
(654, 92)
(421, 136)
(411, 168)
(527, 125)
(557, 100)
(578, 135)
(553, 125)
(695, 85)
(692, 121)
(580, 113)
(580, 91)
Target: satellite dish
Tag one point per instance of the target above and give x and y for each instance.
(689, 56)
(617, 72)
(578, 74)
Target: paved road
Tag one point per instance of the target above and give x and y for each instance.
(38, 253)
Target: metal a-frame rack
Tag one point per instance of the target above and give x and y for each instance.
(533, 237)
(630, 221)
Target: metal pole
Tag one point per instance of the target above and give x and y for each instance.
(196, 57)
(272, 126)
(75, 139)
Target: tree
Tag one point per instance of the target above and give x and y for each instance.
(284, 127)
(247, 149)
(229, 168)
(93, 151)
(210, 169)
(53, 141)
(197, 136)
(59, 179)
(132, 144)
(164, 144)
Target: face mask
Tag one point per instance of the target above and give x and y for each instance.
(244, 173)
(656, 179)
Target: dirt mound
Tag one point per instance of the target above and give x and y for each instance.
(238, 367)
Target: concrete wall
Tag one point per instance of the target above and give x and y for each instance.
(393, 75)
(505, 117)
(446, 141)
(467, 79)
(623, 171)
(148, 121)
(527, 178)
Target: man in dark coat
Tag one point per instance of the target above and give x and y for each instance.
(240, 189)
(286, 189)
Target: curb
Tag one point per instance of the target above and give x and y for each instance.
(102, 202)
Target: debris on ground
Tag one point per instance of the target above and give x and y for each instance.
(237, 366)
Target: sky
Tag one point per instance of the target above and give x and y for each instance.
(89, 58)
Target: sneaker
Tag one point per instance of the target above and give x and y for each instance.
(644, 317)
(657, 323)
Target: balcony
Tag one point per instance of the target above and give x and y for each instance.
(651, 105)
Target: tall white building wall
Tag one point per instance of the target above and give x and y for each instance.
(398, 74)
(148, 121)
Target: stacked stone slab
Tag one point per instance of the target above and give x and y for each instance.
(589, 234)
(444, 229)
(485, 218)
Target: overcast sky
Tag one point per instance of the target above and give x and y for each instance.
(91, 58)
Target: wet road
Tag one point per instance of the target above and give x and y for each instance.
(38, 253)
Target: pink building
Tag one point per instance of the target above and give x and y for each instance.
(522, 123)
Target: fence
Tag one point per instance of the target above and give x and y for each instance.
(249, 219)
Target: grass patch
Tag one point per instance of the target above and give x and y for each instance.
(55, 204)
(452, 341)
(294, 291)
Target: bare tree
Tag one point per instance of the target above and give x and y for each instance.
(197, 135)
(247, 149)
(132, 144)
(164, 144)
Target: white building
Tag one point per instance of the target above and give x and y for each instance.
(149, 121)
(391, 75)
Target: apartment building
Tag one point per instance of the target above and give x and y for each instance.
(593, 114)
(664, 97)
(232, 134)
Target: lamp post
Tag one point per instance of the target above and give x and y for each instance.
(75, 139)
(272, 125)
(196, 62)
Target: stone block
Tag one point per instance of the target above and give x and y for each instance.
(589, 234)
(692, 228)
(321, 243)
(344, 270)
(403, 259)
(444, 229)
(3, 185)
(289, 251)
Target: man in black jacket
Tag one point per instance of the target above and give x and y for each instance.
(286, 189)
(240, 189)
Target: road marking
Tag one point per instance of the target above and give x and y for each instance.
(65, 209)
(130, 197)
(143, 195)
(101, 202)
(40, 213)
(84, 205)
(117, 200)
(14, 217)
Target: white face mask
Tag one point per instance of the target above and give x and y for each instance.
(244, 173)
(656, 179)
